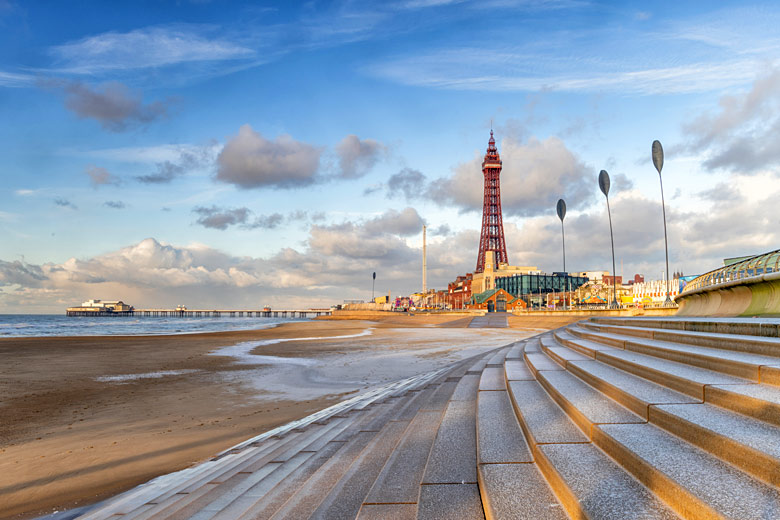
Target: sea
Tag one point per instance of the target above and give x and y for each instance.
(25, 325)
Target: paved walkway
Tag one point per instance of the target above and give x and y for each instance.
(609, 418)
(495, 320)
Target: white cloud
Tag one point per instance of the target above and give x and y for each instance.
(333, 265)
(356, 157)
(743, 136)
(492, 70)
(249, 160)
(100, 176)
(15, 79)
(149, 47)
(115, 106)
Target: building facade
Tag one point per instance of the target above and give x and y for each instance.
(459, 292)
(654, 291)
(495, 300)
(534, 287)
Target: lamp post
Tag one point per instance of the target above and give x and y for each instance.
(604, 185)
(658, 162)
(373, 282)
(561, 209)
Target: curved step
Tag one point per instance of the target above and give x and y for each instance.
(586, 481)
(749, 444)
(591, 485)
(755, 367)
(737, 342)
(585, 405)
(684, 378)
(695, 483)
(766, 327)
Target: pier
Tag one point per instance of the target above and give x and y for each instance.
(198, 313)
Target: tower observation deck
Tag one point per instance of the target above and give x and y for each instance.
(492, 236)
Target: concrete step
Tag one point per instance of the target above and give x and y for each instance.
(499, 437)
(582, 403)
(400, 479)
(583, 346)
(347, 493)
(479, 365)
(516, 352)
(532, 345)
(737, 342)
(440, 397)
(591, 485)
(450, 502)
(764, 327)
(541, 419)
(341, 495)
(758, 401)
(265, 505)
(306, 500)
(230, 503)
(200, 496)
(693, 482)
(517, 370)
(558, 353)
(497, 359)
(467, 388)
(740, 364)
(385, 511)
(492, 379)
(684, 378)
(539, 362)
(678, 376)
(631, 391)
(749, 444)
(164, 487)
(453, 459)
(409, 409)
(251, 460)
(222, 490)
(517, 492)
(610, 340)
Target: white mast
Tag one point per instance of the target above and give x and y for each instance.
(425, 265)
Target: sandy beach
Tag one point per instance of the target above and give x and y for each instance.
(84, 418)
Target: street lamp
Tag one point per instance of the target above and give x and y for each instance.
(658, 162)
(604, 185)
(561, 209)
(373, 282)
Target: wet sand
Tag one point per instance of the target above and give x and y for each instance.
(84, 418)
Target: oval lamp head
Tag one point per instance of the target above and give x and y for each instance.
(561, 209)
(658, 156)
(374, 275)
(604, 182)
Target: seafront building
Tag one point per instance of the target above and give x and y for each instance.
(100, 308)
(654, 291)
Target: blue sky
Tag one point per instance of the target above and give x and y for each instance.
(227, 154)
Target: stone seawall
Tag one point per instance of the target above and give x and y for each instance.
(755, 296)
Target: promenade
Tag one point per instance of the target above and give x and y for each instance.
(613, 418)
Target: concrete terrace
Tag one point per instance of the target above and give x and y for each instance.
(608, 418)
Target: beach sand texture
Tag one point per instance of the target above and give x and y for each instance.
(84, 418)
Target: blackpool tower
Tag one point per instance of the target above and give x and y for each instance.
(492, 236)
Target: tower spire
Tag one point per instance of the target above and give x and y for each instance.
(492, 235)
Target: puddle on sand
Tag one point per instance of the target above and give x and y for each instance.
(126, 378)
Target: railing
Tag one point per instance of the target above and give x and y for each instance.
(759, 265)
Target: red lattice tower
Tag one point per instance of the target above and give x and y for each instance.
(492, 236)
